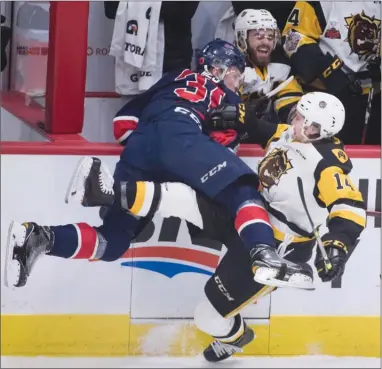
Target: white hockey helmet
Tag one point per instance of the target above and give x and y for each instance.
(324, 110)
(254, 19)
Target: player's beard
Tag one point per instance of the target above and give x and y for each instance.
(259, 59)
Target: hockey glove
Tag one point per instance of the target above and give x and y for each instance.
(337, 253)
(337, 81)
(259, 103)
(231, 116)
(221, 118)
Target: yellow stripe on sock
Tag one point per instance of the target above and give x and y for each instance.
(139, 198)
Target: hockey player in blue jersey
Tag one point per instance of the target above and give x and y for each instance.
(166, 142)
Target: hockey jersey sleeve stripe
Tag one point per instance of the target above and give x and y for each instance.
(333, 185)
(349, 215)
(124, 127)
(351, 204)
(126, 117)
(279, 131)
(360, 211)
(292, 89)
(289, 95)
(285, 101)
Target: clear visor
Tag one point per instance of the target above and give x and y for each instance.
(263, 33)
(310, 132)
(232, 78)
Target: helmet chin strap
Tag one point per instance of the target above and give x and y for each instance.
(308, 139)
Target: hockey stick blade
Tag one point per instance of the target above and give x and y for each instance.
(280, 87)
(328, 264)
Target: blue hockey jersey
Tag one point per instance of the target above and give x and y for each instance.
(181, 88)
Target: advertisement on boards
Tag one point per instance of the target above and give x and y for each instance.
(163, 274)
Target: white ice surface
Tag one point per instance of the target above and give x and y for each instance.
(194, 362)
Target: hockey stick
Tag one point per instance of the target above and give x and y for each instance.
(280, 87)
(370, 100)
(275, 91)
(328, 264)
(367, 114)
(373, 213)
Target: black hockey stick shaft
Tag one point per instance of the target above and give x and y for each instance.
(370, 98)
(328, 264)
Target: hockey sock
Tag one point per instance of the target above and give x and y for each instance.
(168, 199)
(75, 241)
(235, 333)
(252, 223)
(139, 198)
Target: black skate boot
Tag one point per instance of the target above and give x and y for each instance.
(218, 351)
(91, 184)
(26, 243)
(271, 269)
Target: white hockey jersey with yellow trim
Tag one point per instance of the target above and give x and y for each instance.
(329, 192)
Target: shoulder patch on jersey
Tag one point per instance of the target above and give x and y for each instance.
(333, 154)
(340, 155)
(273, 167)
(292, 40)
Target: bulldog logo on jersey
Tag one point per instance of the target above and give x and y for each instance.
(273, 167)
(363, 34)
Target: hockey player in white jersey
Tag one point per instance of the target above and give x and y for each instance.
(335, 47)
(305, 149)
(258, 37)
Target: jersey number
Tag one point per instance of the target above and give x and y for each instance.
(294, 17)
(196, 90)
(342, 183)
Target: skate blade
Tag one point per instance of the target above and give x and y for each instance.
(297, 280)
(16, 237)
(76, 188)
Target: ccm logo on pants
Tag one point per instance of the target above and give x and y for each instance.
(213, 171)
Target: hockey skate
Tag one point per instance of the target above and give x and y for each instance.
(26, 243)
(91, 184)
(218, 351)
(271, 269)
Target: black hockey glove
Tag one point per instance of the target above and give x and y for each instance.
(337, 253)
(231, 116)
(337, 81)
(223, 117)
